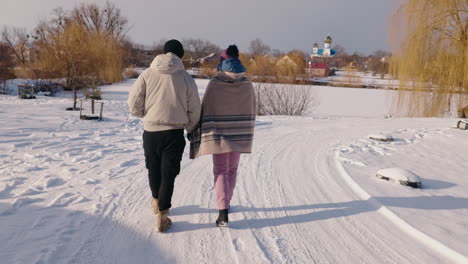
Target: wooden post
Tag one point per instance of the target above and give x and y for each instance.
(92, 106)
(100, 115)
(3, 87)
(81, 107)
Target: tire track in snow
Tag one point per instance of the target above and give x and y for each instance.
(197, 179)
(262, 172)
(336, 225)
(286, 143)
(355, 229)
(426, 240)
(320, 251)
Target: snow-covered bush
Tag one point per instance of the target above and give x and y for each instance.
(93, 93)
(284, 99)
(131, 73)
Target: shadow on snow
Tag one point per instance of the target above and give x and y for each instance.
(319, 211)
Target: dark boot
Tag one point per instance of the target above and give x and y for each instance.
(223, 218)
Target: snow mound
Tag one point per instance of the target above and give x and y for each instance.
(401, 176)
(381, 137)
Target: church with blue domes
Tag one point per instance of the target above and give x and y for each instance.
(326, 52)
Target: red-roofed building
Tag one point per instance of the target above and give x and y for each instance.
(318, 69)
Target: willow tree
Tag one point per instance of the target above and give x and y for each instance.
(65, 53)
(431, 58)
(83, 46)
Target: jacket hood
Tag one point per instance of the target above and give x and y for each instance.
(229, 77)
(167, 63)
(231, 65)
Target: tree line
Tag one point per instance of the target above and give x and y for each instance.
(88, 45)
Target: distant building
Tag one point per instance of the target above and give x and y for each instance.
(290, 66)
(317, 69)
(325, 52)
(286, 61)
(269, 59)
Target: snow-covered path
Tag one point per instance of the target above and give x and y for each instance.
(77, 192)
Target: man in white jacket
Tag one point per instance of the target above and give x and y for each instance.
(167, 99)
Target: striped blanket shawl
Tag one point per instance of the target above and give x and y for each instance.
(228, 118)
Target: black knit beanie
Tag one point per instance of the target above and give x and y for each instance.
(175, 47)
(232, 51)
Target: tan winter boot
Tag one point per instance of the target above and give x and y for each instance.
(163, 222)
(154, 205)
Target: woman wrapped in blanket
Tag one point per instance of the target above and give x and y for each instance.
(226, 127)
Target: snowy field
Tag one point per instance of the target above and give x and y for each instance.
(76, 191)
(362, 78)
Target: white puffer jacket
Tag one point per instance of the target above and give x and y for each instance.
(165, 96)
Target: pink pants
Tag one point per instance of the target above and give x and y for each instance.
(225, 174)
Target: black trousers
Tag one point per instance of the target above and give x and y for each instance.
(163, 154)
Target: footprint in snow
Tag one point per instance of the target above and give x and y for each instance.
(129, 163)
(42, 221)
(33, 191)
(93, 182)
(9, 185)
(20, 145)
(64, 200)
(18, 203)
(238, 244)
(419, 135)
(352, 162)
(54, 182)
(106, 134)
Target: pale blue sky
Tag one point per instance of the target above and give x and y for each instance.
(358, 25)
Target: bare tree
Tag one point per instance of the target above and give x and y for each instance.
(158, 47)
(381, 53)
(379, 63)
(258, 48)
(106, 19)
(16, 39)
(136, 54)
(196, 49)
(284, 99)
(6, 66)
(6, 62)
(277, 53)
(339, 49)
